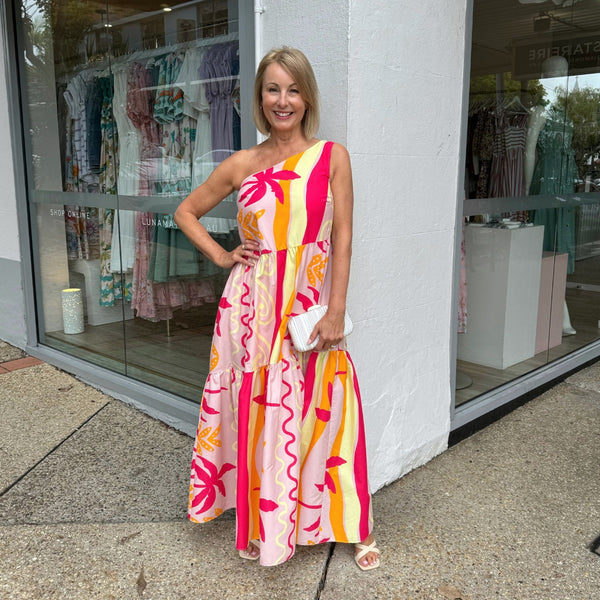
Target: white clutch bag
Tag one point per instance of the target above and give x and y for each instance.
(301, 326)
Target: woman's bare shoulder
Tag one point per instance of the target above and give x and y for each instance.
(340, 160)
(241, 164)
(339, 152)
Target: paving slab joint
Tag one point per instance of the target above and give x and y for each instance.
(323, 579)
(23, 475)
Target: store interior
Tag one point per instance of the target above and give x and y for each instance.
(131, 105)
(530, 277)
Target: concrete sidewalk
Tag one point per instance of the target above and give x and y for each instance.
(93, 505)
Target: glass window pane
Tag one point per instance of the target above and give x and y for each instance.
(128, 109)
(531, 231)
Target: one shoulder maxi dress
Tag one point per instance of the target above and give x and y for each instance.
(281, 435)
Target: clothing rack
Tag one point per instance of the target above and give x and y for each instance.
(177, 47)
(512, 106)
(114, 62)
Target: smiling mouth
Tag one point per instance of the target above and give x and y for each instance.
(283, 114)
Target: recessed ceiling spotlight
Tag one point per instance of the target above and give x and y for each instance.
(166, 7)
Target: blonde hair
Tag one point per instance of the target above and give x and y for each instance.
(296, 64)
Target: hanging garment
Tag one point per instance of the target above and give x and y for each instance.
(178, 131)
(168, 106)
(140, 106)
(175, 174)
(483, 144)
(281, 435)
(555, 173)
(507, 176)
(82, 232)
(196, 106)
(217, 69)
(172, 255)
(157, 301)
(128, 181)
(113, 286)
(72, 180)
(81, 223)
(76, 98)
(462, 285)
(93, 115)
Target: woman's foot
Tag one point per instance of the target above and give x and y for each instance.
(252, 552)
(366, 555)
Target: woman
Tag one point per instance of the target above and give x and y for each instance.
(281, 434)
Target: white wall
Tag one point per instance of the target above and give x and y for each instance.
(320, 30)
(12, 301)
(404, 116)
(9, 240)
(391, 77)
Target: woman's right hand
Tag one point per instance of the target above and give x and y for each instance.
(246, 253)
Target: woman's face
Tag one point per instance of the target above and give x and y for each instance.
(282, 103)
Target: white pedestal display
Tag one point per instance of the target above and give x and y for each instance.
(503, 285)
(552, 301)
(96, 314)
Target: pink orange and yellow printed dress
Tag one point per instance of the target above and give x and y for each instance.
(281, 436)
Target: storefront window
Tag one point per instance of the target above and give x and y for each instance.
(128, 108)
(530, 284)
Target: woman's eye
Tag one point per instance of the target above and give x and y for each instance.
(271, 90)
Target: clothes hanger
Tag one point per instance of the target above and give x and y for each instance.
(515, 106)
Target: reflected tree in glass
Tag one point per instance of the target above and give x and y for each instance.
(582, 107)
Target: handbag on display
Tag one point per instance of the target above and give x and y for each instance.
(301, 326)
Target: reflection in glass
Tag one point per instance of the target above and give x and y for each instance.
(127, 112)
(531, 248)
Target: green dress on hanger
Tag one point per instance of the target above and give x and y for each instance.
(555, 173)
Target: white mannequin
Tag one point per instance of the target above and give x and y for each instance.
(567, 327)
(537, 120)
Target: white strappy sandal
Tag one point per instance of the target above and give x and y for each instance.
(245, 554)
(363, 551)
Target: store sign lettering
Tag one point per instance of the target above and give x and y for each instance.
(583, 55)
(165, 221)
(71, 214)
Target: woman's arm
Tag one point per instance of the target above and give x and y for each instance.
(205, 197)
(330, 328)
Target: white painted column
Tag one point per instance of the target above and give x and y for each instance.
(405, 82)
(12, 301)
(391, 81)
